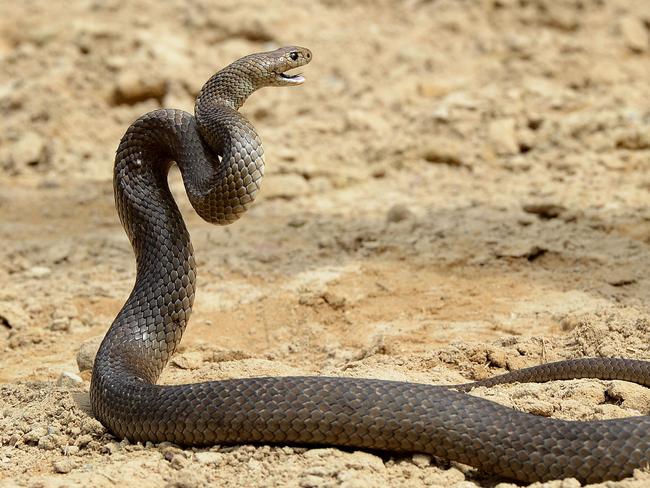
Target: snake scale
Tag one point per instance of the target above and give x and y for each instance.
(221, 160)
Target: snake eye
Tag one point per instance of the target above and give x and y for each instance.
(293, 55)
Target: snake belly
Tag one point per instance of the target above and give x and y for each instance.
(222, 163)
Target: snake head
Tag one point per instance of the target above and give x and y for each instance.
(272, 66)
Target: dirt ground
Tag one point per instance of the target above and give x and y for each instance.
(460, 188)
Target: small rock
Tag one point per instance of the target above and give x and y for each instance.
(398, 213)
(296, 223)
(364, 460)
(357, 119)
(633, 140)
(620, 277)
(285, 186)
(109, 448)
(87, 353)
(502, 136)
(536, 406)
(545, 211)
(570, 322)
(443, 151)
(58, 252)
(12, 316)
(34, 435)
(312, 481)
(61, 325)
(514, 363)
(63, 466)
(70, 450)
(630, 395)
(29, 150)
(498, 358)
(47, 442)
(68, 380)
(84, 440)
(634, 34)
(92, 426)
(228, 355)
(208, 457)
(421, 460)
(188, 360)
(561, 18)
(39, 272)
(464, 484)
(178, 461)
(334, 301)
(433, 89)
(136, 86)
(570, 483)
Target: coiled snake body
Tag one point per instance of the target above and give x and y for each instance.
(221, 160)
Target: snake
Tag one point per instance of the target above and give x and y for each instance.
(221, 159)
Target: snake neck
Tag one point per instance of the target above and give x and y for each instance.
(229, 87)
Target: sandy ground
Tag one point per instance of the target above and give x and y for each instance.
(459, 189)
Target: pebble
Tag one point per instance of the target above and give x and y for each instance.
(29, 150)
(34, 435)
(87, 353)
(570, 483)
(498, 358)
(60, 324)
(364, 460)
(39, 272)
(433, 89)
(442, 151)
(630, 395)
(357, 119)
(70, 450)
(47, 443)
(633, 140)
(132, 87)
(13, 316)
(544, 211)
(110, 448)
(63, 466)
(398, 213)
(68, 380)
(620, 277)
(188, 360)
(421, 460)
(92, 426)
(285, 186)
(208, 457)
(312, 481)
(502, 136)
(635, 34)
(178, 462)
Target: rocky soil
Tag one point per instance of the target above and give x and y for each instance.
(459, 189)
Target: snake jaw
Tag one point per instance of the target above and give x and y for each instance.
(288, 79)
(280, 62)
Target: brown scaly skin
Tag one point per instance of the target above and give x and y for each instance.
(221, 159)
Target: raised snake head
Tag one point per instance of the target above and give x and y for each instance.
(270, 68)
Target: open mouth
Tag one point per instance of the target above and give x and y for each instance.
(296, 78)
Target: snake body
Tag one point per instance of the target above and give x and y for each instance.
(221, 160)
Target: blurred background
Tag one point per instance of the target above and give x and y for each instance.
(452, 172)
